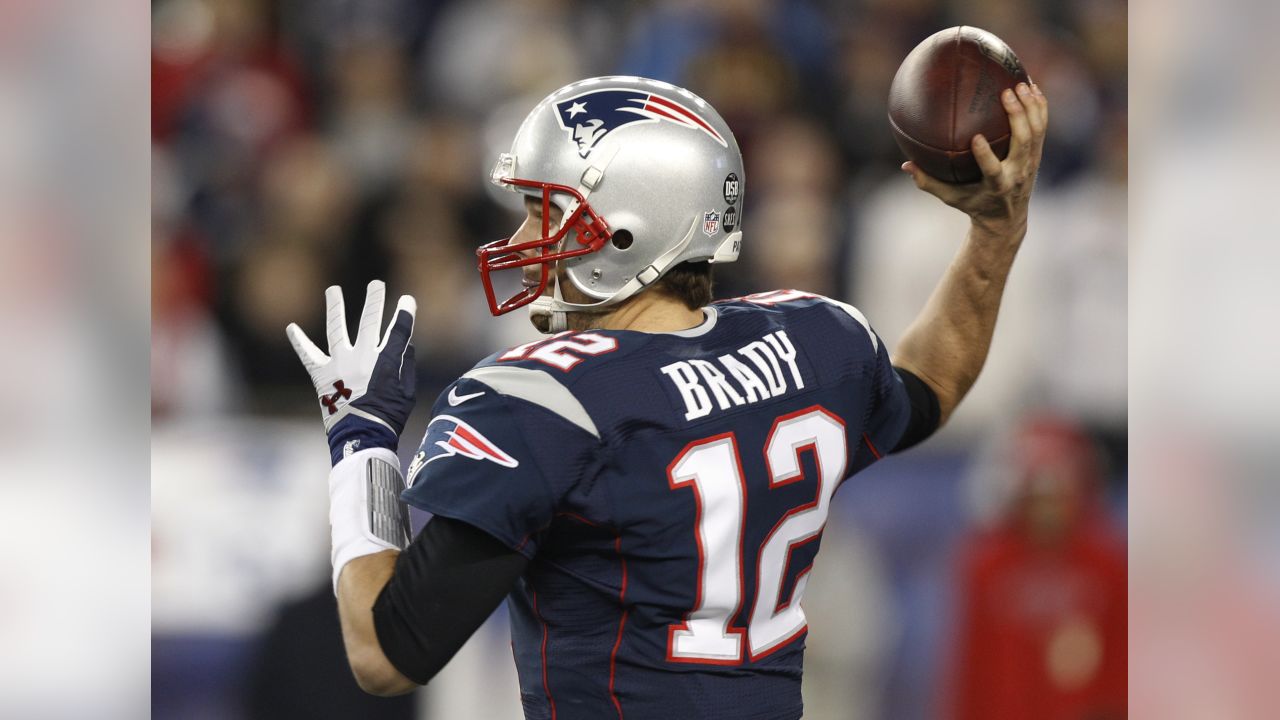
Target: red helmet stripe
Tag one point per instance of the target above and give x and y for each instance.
(659, 111)
(684, 112)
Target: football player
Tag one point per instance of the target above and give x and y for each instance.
(648, 485)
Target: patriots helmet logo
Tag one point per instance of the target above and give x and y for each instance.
(589, 117)
(448, 436)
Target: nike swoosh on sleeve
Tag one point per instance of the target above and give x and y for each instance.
(455, 399)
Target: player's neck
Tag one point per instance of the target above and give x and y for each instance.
(653, 313)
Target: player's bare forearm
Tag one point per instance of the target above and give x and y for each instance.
(947, 344)
(358, 587)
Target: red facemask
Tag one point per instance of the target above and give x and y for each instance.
(590, 230)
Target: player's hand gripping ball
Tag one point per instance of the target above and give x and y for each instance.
(946, 91)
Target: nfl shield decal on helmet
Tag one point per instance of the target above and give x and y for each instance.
(589, 117)
(448, 436)
(710, 222)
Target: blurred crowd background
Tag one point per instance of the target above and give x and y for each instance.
(298, 144)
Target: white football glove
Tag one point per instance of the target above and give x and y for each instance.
(371, 380)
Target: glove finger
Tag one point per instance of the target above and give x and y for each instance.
(311, 356)
(401, 329)
(408, 373)
(371, 316)
(336, 318)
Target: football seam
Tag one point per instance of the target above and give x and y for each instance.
(955, 82)
(926, 145)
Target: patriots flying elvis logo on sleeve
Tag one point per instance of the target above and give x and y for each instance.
(592, 115)
(448, 436)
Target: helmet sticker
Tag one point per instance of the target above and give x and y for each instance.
(730, 219)
(710, 222)
(592, 115)
(731, 188)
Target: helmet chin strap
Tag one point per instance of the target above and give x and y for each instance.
(556, 309)
(548, 306)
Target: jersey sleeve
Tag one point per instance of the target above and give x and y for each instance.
(890, 406)
(503, 448)
(888, 409)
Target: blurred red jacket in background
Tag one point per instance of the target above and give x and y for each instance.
(1042, 628)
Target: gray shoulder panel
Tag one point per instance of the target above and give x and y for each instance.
(537, 387)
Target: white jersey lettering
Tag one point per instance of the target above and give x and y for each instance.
(704, 386)
(782, 345)
(751, 383)
(761, 355)
(724, 392)
(696, 402)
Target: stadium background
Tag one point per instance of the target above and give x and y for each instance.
(298, 144)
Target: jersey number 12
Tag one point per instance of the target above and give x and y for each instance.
(713, 469)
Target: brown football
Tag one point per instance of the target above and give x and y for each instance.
(946, 91)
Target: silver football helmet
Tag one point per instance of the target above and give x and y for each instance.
(647, 175)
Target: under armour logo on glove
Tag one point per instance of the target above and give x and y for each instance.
(372, 379)
(331, 401)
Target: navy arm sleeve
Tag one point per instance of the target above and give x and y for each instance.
(446, 583)
(926, 414)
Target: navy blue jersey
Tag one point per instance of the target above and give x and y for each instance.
(670, 490)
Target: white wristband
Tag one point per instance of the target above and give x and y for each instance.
(366, 515)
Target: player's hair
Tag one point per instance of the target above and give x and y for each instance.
(689, 282)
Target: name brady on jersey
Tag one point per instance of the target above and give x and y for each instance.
(701, 381)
